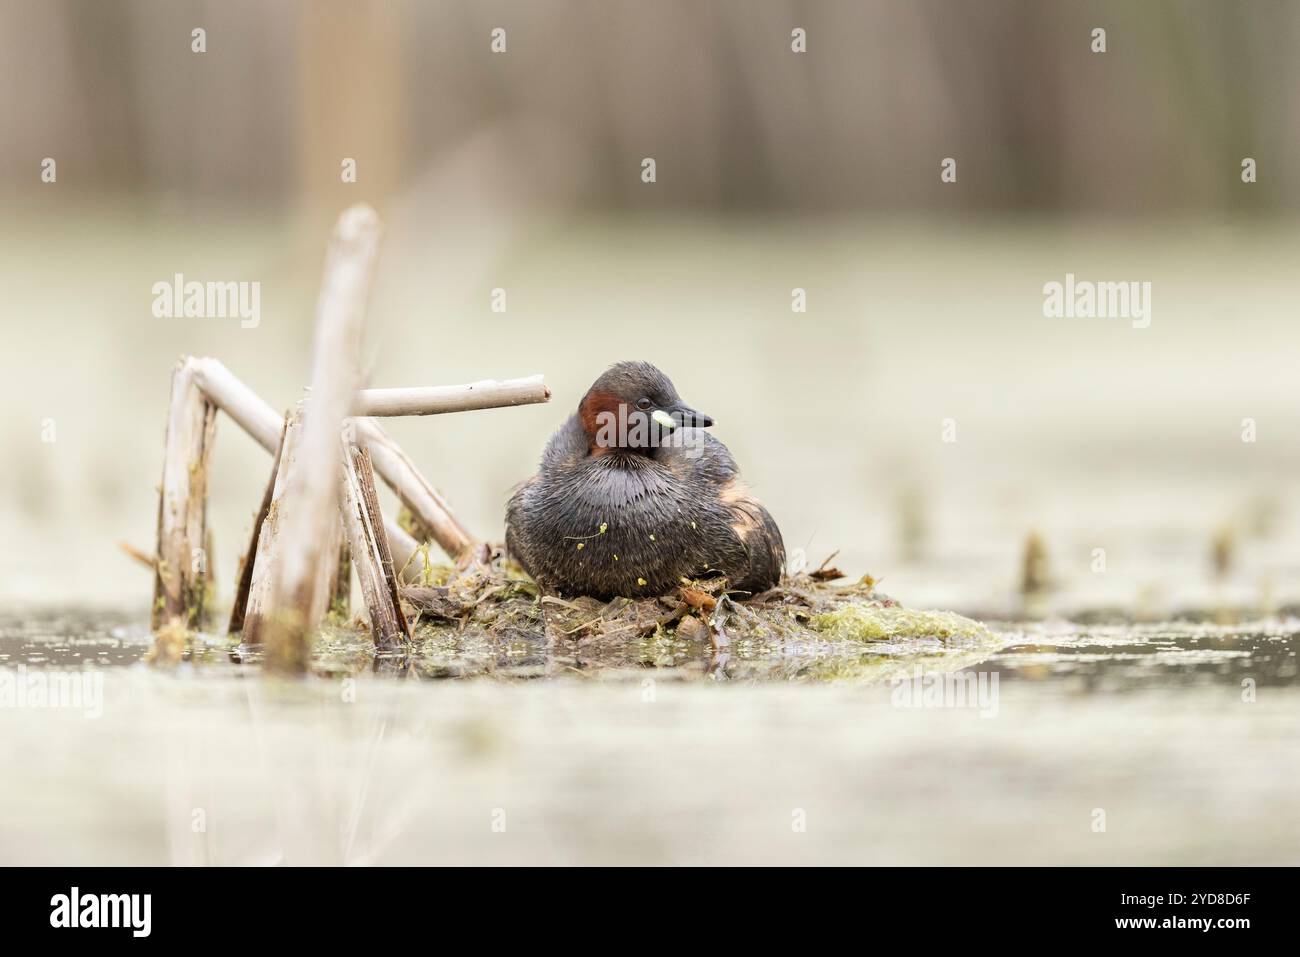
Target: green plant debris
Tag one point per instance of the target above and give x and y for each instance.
(873, 621)
(487, 617)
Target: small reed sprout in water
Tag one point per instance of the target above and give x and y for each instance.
(1223, 550)
(1035, 577)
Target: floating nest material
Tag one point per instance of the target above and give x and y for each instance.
(489, 606)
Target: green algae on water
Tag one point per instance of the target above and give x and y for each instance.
(875, 621)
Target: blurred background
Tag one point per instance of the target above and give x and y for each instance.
(775, 170)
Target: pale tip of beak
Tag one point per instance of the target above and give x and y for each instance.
(664, 419)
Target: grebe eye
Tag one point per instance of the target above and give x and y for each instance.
(643, 404)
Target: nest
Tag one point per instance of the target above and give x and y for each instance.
(488, 609)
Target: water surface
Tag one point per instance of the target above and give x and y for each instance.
(1181, 735)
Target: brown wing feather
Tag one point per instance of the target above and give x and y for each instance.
(758, 531)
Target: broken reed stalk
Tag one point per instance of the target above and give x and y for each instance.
(259, 420)
(367, 475)
(265, 556)
(328, 562)
(246, 407)
(413, 489)
(180, 586)
(240, 607)
(437, 399)
(259, 617)
(370, 555)
(298, 587)
(288, 580)
(208, 613)
(341, 598)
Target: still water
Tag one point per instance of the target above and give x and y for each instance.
(1171, 743)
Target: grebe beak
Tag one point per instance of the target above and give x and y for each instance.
(686, 417)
